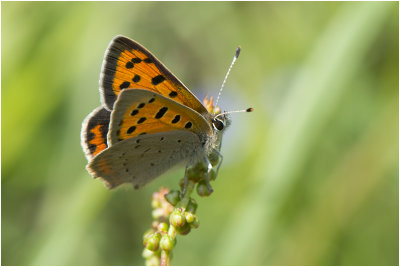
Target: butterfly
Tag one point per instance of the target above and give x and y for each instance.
(149, 120)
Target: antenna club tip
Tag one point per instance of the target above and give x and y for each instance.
(250, 110)
(237, 53)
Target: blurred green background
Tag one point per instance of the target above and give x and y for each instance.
(309, 178)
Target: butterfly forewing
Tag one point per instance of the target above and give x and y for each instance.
(128, 65)
(140, 159)
(94, 132)
(142, 112)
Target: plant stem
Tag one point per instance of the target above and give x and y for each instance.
(165, 258)
(186, 197)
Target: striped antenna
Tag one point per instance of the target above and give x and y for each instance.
(227, 74)
(235, 111)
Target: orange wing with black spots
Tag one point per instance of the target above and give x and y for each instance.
(128, 65)
(139, 112)
(94, 132)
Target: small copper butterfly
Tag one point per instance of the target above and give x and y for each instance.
(148, 122)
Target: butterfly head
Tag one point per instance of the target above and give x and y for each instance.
(219, 123)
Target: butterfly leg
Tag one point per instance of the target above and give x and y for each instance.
(209, 169)
(217, 158)
(220, 158)
(185, 181)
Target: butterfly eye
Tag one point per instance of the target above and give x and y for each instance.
(219, 125)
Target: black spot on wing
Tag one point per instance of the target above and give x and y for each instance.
(124, 85)
(173, 94)
(176, 119)
(141, 120)
(188, 125)
(129, 65)
(157, 79)
(92, 148)
(136, 60)
(131, 129)
(136, 78)
(161, 112)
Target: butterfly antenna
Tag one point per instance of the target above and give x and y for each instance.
(235, 111)
(227, 74)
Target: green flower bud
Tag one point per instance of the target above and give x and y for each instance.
(192, 174)
(173, 197)
(157, 213)
(177, 219)
(147, 253)
(152, 243)
(163, 227)
(155, 203)
(195, 223)
(214, 158)
(166, 243)
(201, 167)
(184, 230)
(148, 234)
(196, 173)
(213, 175)
(202, 189)
(154, 225)
(192, 206)
(189, 217)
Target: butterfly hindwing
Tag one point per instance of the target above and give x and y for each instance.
(128, 65)
(140, 159)
(94, 132)
(141, 112)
